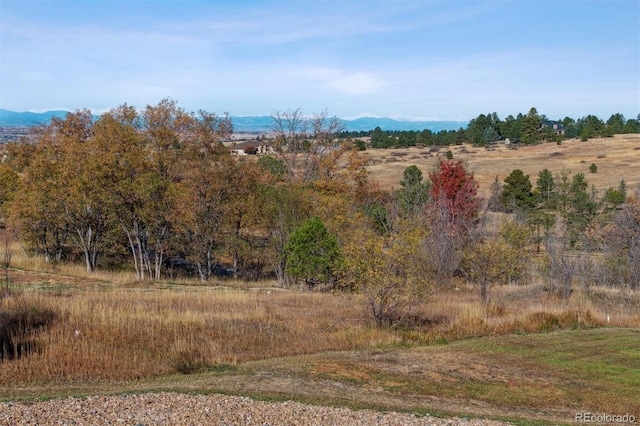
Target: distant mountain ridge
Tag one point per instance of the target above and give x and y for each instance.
(252, 123)
(26, 119)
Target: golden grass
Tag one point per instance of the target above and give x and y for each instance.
(526, 309)
(126, 333)
(617, 158)
(123, 333)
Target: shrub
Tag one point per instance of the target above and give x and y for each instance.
(190, 362)
(360, 145)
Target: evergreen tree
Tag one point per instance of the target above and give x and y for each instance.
(582, 209)
(312, 253)
(378, 138)
(414, 193)
(490, 136)
(530, 126)
(494, 203)
(546, 189)
(631, 126)
(516, 193)
(511, 128)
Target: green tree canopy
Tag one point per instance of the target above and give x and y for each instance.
(312, 253)
(516, 193)
(631, 126)
(546, 189)
(380, 139)
(615, 123)
(490, 135)
(582, 208)
(414, 192)
(530, 126)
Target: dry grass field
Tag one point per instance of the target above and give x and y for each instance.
(617, 158)
(528, 356)
(523, 358)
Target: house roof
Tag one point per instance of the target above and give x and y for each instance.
(248, 144)
(550, 123)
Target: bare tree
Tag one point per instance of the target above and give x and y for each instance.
(302, 142)
(622, 244)
(442, 245)
(563, 268)
(290, 129)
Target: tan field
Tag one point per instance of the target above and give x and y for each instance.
(617, 158)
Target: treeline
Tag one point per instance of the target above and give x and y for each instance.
(486, 130)
(156, 192)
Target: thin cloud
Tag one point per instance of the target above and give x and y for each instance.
(399, 59)
(343, 81)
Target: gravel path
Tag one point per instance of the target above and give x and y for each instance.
(186, 409)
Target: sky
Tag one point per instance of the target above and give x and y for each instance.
(420, 60)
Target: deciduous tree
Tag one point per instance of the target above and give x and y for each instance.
(456, 189)
(129, 180)
(485, 265)
(622, 245)
(9, 181)
(38, 206)
(389, 270)
(302, 142)
(203, 192)
(450, 217)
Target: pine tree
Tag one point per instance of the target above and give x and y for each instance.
(312, 253)
(530, 126)
(414, 193)
(516, 193)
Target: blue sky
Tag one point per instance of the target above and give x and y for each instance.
(447, 60)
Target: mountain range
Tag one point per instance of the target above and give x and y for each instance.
(246, 124)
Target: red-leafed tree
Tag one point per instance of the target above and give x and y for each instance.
(456, 190)
(450, 215)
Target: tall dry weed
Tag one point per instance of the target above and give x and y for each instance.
(121, 333)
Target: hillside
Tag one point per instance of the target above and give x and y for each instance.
(617, 158)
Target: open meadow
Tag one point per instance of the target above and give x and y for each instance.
(529, 356)
(616, 158)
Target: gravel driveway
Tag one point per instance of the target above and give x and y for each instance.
(189, 409)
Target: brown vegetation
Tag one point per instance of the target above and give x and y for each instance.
(622, 161)
(96, 332)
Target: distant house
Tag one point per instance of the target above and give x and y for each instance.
(556, 126)
(250, 148)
